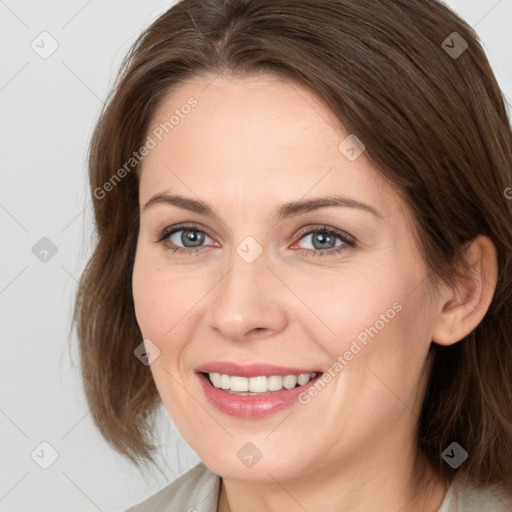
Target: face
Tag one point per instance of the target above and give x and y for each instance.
(249, 288)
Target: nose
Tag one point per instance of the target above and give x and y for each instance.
(248, 301)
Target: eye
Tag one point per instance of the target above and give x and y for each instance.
(324, 241)
(184, 238)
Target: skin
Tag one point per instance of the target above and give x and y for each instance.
(251, 144)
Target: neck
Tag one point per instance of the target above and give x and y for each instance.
(385, 491)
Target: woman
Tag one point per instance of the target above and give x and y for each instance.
(304, 255)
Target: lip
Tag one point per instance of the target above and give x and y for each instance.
(251, 370)
(252, 407)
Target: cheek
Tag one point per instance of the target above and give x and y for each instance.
(165, 301)
(151, 297)
(384, 352)
(371, 320)
(344, 303)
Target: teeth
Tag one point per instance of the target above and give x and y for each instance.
(257, 384)
(290, 380)
(275, 383)
(225, 381)
(216, 379)
(303, 379)
(261, 384)
(239, 384)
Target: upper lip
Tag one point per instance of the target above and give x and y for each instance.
(251, 370)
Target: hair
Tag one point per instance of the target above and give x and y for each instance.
(433, 125)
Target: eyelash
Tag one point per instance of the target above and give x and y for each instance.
(346, 239)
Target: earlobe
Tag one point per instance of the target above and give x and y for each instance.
(463, 306)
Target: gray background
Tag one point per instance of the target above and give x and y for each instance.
(48, 107)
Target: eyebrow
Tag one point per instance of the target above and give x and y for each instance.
(291, 209)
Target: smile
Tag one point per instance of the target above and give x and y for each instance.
(278, 392)
(251, 386)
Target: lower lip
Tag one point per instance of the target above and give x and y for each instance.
(255, 406)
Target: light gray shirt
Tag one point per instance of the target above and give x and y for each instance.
(198, 491)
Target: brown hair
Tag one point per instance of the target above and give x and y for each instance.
(433, 123)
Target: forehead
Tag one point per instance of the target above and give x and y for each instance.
(258, 137)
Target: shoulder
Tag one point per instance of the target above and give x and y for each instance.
(195, 491)
(465, 496)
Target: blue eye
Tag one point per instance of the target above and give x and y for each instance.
(323, 240)
(190, 236)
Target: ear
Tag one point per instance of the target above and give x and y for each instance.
(462, 306)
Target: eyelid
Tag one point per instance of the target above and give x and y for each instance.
(347, 239)
(167, 232)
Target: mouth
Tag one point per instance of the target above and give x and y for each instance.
(253, 391)
(258, 385)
